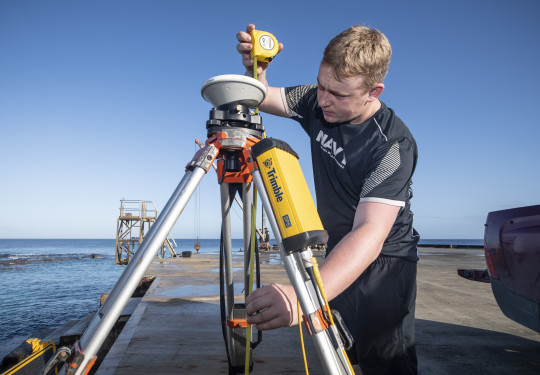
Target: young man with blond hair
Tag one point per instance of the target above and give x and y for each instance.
(363, 159)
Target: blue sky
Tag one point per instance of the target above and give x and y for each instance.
(100, 100)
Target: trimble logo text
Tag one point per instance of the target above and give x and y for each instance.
(278, 194)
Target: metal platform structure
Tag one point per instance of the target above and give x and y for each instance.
(135, 220)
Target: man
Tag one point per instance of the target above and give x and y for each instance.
(363, 160)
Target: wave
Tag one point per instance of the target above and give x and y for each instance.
(21, 259)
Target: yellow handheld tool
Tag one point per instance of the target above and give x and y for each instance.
(265, 45)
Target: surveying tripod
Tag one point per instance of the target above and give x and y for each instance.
(236, 142)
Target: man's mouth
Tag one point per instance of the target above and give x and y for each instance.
(327, 113)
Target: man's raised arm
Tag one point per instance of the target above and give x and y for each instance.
(272, 103)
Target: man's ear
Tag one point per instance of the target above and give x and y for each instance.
(376, 91)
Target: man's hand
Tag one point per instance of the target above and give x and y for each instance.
(244, 47)
(272, 306)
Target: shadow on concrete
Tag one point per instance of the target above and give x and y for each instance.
(453, 349)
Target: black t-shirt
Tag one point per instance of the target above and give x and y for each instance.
(369, 162)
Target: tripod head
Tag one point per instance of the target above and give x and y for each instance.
(231, 119)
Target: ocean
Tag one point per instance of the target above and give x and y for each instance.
(46, 282)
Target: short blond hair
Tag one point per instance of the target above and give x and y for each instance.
(359, 50)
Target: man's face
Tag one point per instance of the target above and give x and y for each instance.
(341, 101)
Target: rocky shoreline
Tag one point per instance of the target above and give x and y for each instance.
(17, 348)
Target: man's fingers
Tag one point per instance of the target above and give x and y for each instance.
(269, 318)
(255, 305)
(243, 37)
(262, 316)
(244, 47)
(256, 301)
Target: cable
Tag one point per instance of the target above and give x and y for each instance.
(302, 337)
(223, 313)
(318, 279)
(250, 285)
(255, 75)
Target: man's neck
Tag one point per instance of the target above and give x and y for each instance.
(369, 110)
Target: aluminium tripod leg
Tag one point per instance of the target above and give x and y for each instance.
(87, 347)
(297, 227)
(247, 202)
(226, 203)
(236, 312)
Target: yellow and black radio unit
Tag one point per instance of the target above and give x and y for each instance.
(289, 195)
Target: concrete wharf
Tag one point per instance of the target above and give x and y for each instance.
(176, 328)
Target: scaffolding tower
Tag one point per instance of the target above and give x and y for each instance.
(136, 218)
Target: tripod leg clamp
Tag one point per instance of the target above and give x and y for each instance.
(315, 322)
(73, 365)
(237, 323)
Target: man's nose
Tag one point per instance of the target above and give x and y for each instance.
(323, 99)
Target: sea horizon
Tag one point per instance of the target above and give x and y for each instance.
(422, 240)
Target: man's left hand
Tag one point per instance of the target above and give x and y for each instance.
(272, 306)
